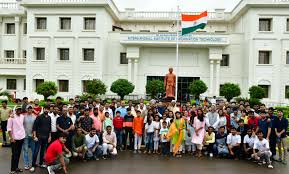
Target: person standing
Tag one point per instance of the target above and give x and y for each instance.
(127, 125)
(212, 118)
(121, 109)
(138, 125)
(281, 125)
(64, 125)
(4, 115)
(199, 134)
(53, 113)
(28, 141)
(118, 128)
(16, 131)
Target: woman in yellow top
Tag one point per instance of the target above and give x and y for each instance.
(244, 116)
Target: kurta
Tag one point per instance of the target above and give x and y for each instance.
(176, 136)
(198, 139)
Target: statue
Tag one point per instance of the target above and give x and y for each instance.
(170, 84)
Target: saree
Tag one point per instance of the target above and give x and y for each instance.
(176, 133)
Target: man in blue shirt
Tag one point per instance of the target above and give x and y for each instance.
(264, 125)
(281, 125)
(122, 109)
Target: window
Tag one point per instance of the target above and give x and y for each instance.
(220, 88)
(266, 89)
(287, 57)
(286, 91)
(40, 53)
(287, 26)
(24, 84)
(225, 60)
(89, 23)
(10, 28)
(11, 84)
(264, 57)
(63, 85)
(9, 54)
(41, 23)
(65, 23)
(145, 31)
(265, 25)
(38, 82)
(84, 85)
(88, 54)
(25, 28)
(63, 54)
(24, 53)
(123, 59)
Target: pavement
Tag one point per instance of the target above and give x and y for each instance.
(129, 163)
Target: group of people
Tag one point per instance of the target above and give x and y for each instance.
(94, 129)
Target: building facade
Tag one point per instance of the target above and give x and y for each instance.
(72, 41)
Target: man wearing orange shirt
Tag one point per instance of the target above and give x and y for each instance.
(138, 124)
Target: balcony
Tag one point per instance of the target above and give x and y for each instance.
(13, 61)
(8, 5)
(12, 66)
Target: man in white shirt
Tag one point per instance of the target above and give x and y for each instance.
(71, 115)
(212, 118)
(234, 142)
(261, 150)
(214, 101)
(92, 143)
(248, 143)
(53, 114)
(109, 142)
(107, 109)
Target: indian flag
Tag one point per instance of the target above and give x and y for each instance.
(191, 23)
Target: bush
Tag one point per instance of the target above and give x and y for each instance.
(230, 90)
(252, 101)
(85, 96)
(256, 92)
(197, 88)
(96, 87)
(47, 89)
(122, 87)
(155, 87)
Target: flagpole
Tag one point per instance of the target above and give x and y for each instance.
(177, 49)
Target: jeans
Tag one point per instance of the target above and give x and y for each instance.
(283, 144)
(137, 141)
(28, 143)
(99, 135)
(272, 144)
(118, 133)
(128, 134)
(265, 156)
(210, 147)
(165, 148)
(149, 145)
(236, 151)
(4, 129)
(16, 152)
(55, 165)
(156, 145)
(96, 154)
(41, 145)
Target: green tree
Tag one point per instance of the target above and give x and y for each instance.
(47, 89)
(230, 90)
(256, 92)
(96, 87)
(154, 87)
(122, 87)
(197, 88)
(5, 93)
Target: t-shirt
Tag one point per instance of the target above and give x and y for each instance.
(91, 141)
(53, 151)
(167, 120)
(149, 128)
(233, 140)
(261, 145)
(164, 131)
(250, 140)
(264, 125)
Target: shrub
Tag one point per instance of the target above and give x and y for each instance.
(256, 92)
(47, 89)
(197, 88)
(122, 87)
(96, 87)
(230, 90)
(155, 87)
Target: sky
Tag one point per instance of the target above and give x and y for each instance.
(171, 5)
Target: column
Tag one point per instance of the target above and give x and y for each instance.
(217, 78)
(211, 77)
(17, 33)
(135, 73)
(1, 33)
(129, 67)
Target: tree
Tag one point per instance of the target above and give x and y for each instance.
(197, 88)
(96, 87)
(256, 92)
(155, 87)
(5, 94)
(47, 89)
(122, 87)
(230, 90)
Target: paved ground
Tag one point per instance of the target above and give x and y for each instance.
(128, 162)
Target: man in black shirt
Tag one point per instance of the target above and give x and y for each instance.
(85, 122)
(42, 136)
(64, 125)
(128, 131)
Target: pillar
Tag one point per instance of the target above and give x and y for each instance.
(17, 33)
(135, 73)
(1, 33)
(211, 77)
(217, 77)
(129, 67)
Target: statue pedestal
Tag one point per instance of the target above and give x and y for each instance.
(168, 99)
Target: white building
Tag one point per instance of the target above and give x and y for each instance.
(71, 41)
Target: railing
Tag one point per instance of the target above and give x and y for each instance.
(13, 61)
(8, 5)
(63, 1)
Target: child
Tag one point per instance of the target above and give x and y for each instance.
(157, 125)
(209, 140)
(189, 133)
(164, 142)
(149, 129)
(234, 143)
(138, 124)
(261, 150)
(107, 122)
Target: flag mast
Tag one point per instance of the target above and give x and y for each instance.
(177, 49)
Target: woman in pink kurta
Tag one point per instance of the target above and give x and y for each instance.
(199, 134)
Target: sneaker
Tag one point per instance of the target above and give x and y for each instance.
(139, 151)
(279, 160)
(32, 169)
(211, 155)
(270, 166)
(284, 162)
(43, 166)
(19, 170)
(26, 167)
(134, 151)
(50, 171)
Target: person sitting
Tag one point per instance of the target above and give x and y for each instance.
(55, 158)
(209, 140)
(109, 142)
(234, 142)
(78, 144)
(248, 143)
(261, 150)
(220, 147)
(92, 144)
